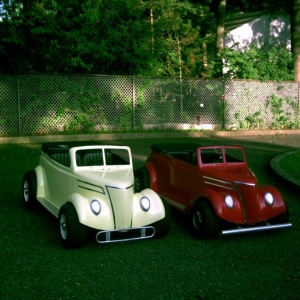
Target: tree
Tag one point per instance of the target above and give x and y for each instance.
(220, 26)
(130, 37)
(295, 34)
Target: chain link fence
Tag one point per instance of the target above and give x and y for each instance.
(58, 103)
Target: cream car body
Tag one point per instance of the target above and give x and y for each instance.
(98, 182)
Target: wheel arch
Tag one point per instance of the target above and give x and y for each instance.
(42, 185)
(85, 215)
(79, 204)
(213, 198)
(152, 176)
(73, 234)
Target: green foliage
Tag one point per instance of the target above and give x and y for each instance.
(252, 121)
(80, 123)
(282, 109)
(132, 37)
(126, 119)
(106, 37)
(266, 63)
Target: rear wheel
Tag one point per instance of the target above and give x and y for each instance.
(204, 222)
(72, 233)
(141, 179)
(29, 186)
(162, 227)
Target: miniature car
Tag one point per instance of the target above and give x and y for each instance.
(89, 185)
(214, 187)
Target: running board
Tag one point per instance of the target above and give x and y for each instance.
(257, 228)
(124, 235)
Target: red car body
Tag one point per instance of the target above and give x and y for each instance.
(214, 186)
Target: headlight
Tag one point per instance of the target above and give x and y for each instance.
(145, 203)
(229, 201)
(269, 199)
(96, 207)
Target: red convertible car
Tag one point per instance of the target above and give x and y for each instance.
(214, 186)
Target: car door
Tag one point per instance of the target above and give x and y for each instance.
(60, 185)
(183, 182)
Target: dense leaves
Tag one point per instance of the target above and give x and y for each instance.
(265, 63)
(122, 37)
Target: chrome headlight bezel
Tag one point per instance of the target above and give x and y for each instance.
(145, 203)
(269, 199)
(229, 201)
(95, 207)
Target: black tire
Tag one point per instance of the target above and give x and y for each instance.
(204, 222)
(162, 227)
(29, 186)
(72, 233)
(141, 179)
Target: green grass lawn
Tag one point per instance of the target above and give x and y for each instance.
(291, 164)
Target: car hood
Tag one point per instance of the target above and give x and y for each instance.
(115, 178)
(231, 173)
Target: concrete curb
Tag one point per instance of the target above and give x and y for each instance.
(275, 166)
(150, 135)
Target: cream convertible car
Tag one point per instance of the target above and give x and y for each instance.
(89, 185)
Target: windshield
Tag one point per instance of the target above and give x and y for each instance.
(102, 157)
(222, 155)
(234, 155)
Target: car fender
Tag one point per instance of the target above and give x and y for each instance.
(42, 187)
(278, 207)
(153, 176)
(217, 202)
(104, 220)
(211, 196)
(155, 213)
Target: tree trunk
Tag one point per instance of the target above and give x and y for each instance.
(152, 30)
(220, 25)
(295, 36)
(204, 35)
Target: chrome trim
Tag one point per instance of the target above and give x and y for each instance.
(222, 186)
(108, 234)
(256, 228)
(119, 188)
(222, 181)
(101, 191)
(245, 183)
(85, 188)
(228, 184)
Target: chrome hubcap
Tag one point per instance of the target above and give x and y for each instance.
(25, 191)
(197, 219)
(63, 226)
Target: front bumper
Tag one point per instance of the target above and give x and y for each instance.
(124, 235)
(256, 228)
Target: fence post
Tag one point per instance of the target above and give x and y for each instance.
(224, 103)
(19, 106)
(133, 103)
(298, 107)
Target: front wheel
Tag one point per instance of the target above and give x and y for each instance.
(29, 186)
(204, 222)
(162, 227)
(72, 233)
